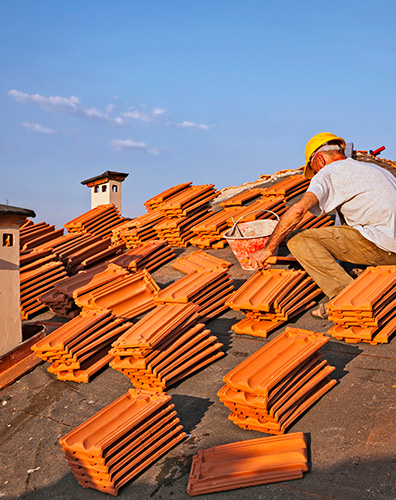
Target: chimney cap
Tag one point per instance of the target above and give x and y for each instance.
(105, 177)
(10, 210)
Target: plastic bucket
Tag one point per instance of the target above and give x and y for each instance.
(248, 237)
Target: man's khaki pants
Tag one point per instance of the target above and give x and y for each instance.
(318, 250)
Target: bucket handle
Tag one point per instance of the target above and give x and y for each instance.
(235, 227)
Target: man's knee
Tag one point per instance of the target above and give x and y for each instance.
(295, 240)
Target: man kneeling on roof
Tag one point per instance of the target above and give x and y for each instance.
(364, 196)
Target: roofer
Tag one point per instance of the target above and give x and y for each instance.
(364, 196)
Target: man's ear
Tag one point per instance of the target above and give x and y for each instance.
(321, 159)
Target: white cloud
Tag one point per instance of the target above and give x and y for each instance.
(110, 108)
(187, 124)
(120, 144)
(144, 116)
(71, 105)
(35, 127)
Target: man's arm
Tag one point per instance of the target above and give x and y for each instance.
(287, 223)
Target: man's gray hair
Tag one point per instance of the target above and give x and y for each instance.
(330, 147)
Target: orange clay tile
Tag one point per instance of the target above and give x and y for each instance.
(199, 261)
(242, 198)
(57, 340)
(152, 455)
(87, 369)
(128, 297)
(248, 463)
(287, 185)
(153, 202)
(262, 288)
(91, 279)
(154, 326)
(265, 368)
(365, 290)
(256, 328)
(185, 288)
(100, 431)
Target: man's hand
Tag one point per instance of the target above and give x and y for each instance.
(257, 259)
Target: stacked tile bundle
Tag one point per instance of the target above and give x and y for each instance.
(209, 290)
(61, 298)
(112, 447)
(310, 221)
(138, 230)
(149, 255)
(289, 187)
(126, 297)
(33, 235)
(274, 386)
(209, 232)
(248, 463)
(183, 210)
(155, 202)
(188, 202)
(178, 231)
(165, 346)
(100, 220)
(270, 297)
(365, 310)
(34, 282)
(242, 198)
(79, 348)
(200, 261)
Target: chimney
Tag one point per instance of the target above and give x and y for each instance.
(10, 300)
(106, 188)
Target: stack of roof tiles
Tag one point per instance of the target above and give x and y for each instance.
(33, 235)
(110, 448)
(178, 231)
(365, 310)
(138, 230)
(127, 297)
(209, 233)
(270, 297)
(36, 281)
(149, 255)
(209, 290)
(165, 346)
(79, 348)
(61, 298)
(248, 463)
(289, 187)
(99, 221)
(183, 209)
(200, 261)
(275, 385)
(242, 198)
(155, 202)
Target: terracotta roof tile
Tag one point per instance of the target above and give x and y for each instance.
(199, 261)
(248, 463)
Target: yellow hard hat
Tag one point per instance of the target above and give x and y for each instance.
(315, 143)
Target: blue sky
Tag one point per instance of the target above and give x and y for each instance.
(174, 91)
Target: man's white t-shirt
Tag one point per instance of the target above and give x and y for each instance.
(364, 193)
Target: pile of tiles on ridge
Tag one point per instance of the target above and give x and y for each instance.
(138, 230)
(79, 349)
(209, 290)
(248, 463)
(183, 210)
(275, 385)
(165, 346)
(365, 310)
(100, 220)
(270, 297)
(112, 447)
(200, 261)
